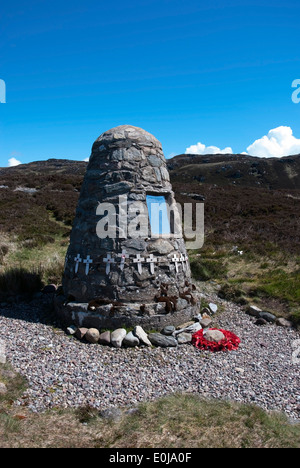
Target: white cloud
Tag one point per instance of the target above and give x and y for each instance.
(200, 148)
(86, 159)
(13, 162)
(279, 142)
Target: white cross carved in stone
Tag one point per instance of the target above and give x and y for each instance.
(108, 260)
(77, 260)
(151, 260)
(87, 262)
(183, 261)
(123, 257)
(176, 260)
(139, 261)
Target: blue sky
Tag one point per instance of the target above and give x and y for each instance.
(217, 72)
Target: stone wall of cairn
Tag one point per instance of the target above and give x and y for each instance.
(125, 281)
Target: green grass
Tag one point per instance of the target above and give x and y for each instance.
(280, 284)
(204, 269)
(271, 280)
(26, 269)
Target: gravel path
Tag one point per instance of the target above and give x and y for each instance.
(65, 372)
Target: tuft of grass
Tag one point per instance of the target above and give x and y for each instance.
(204, 269)
(27, 281)
(16, 281)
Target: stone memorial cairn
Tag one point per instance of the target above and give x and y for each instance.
(120, 280)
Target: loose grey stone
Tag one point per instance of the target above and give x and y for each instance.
(193, 328)
(197, 318)
(157, 339)
(253, 310)
(141, 335)
(206, 322)
(71, 330)
(131, 340)
(282, 322)
(261, 321)
(81, 332)
(185, 325)
(117, 337)
(184, 338)
(92, 335)
(155, 161)
(168, 330)
(213, 307)
(267, 316)
(214, 335)
(104, 338)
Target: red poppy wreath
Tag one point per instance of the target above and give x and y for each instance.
(229, 341)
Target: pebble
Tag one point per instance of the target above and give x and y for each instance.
(206, 322)
(141, 335)
(214, 335)
(184, 338)
(168, 330)
(157, 339)
(282, 322)
(213, 307)
(267, 316)
(261, 321)
(73, 373)
(80, 333)
(117, 337)
(105, 338)
(253, 310)
(92, 335)
(192, 328)
(71, 330)
(131, 340)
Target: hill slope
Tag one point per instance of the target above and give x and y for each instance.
(237, 169)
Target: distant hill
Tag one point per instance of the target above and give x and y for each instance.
(216, 169)
(237, 169)
(52, 166)
(33, 197)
